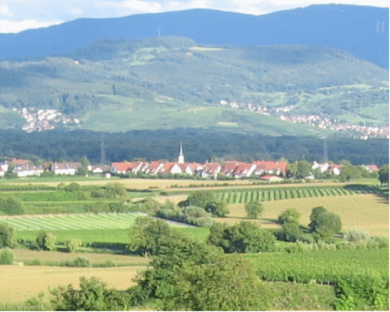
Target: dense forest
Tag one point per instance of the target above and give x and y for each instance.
(199, 145)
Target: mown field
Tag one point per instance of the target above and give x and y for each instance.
(367, 211)
(19, 283)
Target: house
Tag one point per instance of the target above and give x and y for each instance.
(2, 172)
(69, 168)
(271, 178)
(4, 166)
(371, 168)
(244, 170)
(334, 169)
(18, 162)
(210, 170)
(27, 170)
(121, 167)
(100, 169)
(271, 167)
(228, 167)
(321, 167)
(171, 168)
(154, 167)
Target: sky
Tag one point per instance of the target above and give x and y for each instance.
(19, 15)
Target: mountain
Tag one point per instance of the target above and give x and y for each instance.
(169, 82)
(360, 30)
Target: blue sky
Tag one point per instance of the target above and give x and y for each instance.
(18, 15)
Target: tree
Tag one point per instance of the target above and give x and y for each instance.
(315, 213)
(45, 241)
(303, 169)
(328, 224)
(114, 190)
(291, 232)
(384, 175)
(243, 237)
(227, 284)
(83, 170)
(92, 295)
(289, 215)
(73, 244)
(217, 208)
(7, 236)
(145, 235)
(12, 206)
(254, 209)
(199, 199)
(349, 172)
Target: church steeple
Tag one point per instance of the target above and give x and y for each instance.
(181, 156)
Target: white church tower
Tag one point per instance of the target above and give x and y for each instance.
(181, 156)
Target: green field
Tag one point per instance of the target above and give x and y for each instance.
(240, 196)
(322, 266)
(72, 222)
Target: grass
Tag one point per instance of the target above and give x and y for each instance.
(72, 222)
(108, 236)
(20, 283)
(359, 211)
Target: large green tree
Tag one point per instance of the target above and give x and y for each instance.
(7, 236)
(253, 209)
(384, 175)
(289, 215)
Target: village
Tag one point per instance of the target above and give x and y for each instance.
(268, 171)
(323, 122)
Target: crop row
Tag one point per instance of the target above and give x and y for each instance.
(73, 222)
(322, 266)
(241, 196)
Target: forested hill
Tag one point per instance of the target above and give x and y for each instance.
(168, 82)
(199, 145)
(360, 30)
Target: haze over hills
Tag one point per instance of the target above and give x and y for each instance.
(360, 30)
(168, 82)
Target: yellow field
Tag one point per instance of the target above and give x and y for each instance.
(22, 255)
(21, 283)
(358, 211)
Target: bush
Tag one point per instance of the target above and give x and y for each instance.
(72, 187)
(6, 256)
(45, 241)
(109, 263)
(79, 262)
(289, 215)
(203, 222)
(217, 208)
(73, 244)
(12, 206)
(92, 296)
(328, 224)
(291, 232)
(7, 236)
(356, 235)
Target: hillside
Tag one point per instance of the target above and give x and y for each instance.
(360, 30)
(173, 82)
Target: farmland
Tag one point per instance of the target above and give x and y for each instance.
(20, 283)
(358, 211)
(323, 266)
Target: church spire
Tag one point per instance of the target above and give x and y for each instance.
(181, 156)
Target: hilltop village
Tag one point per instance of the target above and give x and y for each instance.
(269, 171)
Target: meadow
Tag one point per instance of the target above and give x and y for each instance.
(364, 211)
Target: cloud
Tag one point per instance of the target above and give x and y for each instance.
(4, 10)
(133, 6)
(7, 26)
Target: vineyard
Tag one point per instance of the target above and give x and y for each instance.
(240, 196)
(322, 266)
(73, 222)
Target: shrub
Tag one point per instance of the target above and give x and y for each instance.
(72, 187)
(217, 208)
(356, 235)
(12, 206)
(203, 222)
(45, 241)
(79, 262)
(328, 224)
(289, 215)
(6, 256)
(7, 236)
(73, 244)
(109, 263)
(291, 232)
